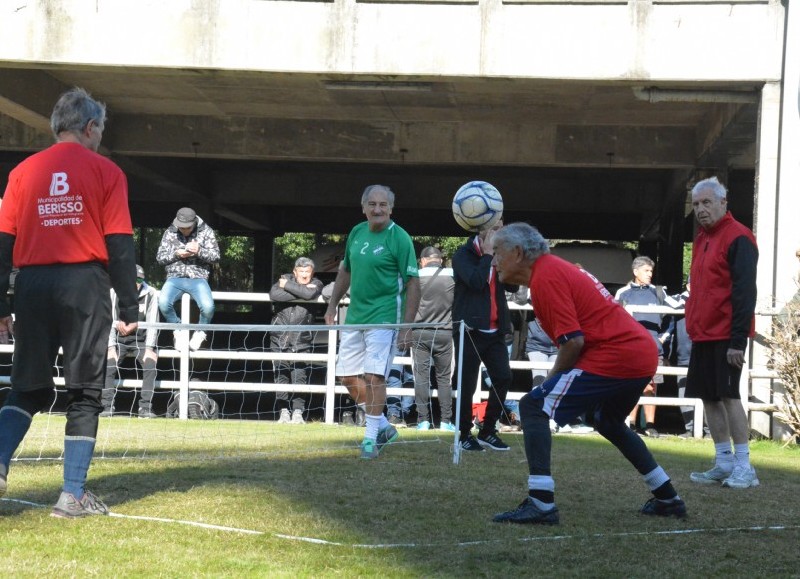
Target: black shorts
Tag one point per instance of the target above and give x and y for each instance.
(66, 306)
(709, 376)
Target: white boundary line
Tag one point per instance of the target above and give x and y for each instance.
(316, 541)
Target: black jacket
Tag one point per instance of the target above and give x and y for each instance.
(471, 301)
(290, 313)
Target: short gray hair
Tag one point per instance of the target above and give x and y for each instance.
(714, 185)
(304, 262)
(524, 236)
(642, 260)
(73, 111)
(371, 188)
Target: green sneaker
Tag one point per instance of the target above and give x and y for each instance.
(386, 436)
(369, 449)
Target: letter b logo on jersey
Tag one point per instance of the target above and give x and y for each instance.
(59, 185)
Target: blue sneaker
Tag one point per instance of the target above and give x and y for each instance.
(447, 427)
(386, 436)
(424, 425)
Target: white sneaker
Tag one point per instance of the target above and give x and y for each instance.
(553, 426)
(710, 477)
(297, 417)
(742, 477)
(179, 339)
(285, 417)
(197, 340)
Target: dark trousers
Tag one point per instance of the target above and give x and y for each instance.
(491, 349)
(290, 372)
(609, 421)
(433, 348)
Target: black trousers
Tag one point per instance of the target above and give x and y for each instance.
(491, 349)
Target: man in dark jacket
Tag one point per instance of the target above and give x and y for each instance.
(289, 295)
(480, 301)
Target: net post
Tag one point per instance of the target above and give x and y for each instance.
(330, 378)
(459, 376)
(183, 379)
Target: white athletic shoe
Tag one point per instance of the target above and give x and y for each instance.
(297, 417)
(742, 477)
(711, 477)
(197, 340)
(285, 417)
(179, 339)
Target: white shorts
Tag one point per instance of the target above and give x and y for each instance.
(365, 352)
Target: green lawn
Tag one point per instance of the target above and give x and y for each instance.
(297, 501)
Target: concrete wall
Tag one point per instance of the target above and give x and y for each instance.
(604, 40)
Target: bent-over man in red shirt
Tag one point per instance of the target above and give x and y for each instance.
(605, 359)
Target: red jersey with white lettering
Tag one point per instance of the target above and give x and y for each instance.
(569, 301)
(61, 203)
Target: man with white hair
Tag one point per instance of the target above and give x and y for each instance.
(380, 262)
(605, 359)
(719, 323)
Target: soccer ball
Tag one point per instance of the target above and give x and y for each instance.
(477, 206)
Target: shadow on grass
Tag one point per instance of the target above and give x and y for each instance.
(414, 496)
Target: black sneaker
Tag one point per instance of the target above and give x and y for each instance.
(492, 441)
(469, 443)
(673, 508)
(527, 513)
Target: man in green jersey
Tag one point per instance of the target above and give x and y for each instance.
(380, 270)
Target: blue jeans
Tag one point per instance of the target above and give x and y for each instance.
(175, 287)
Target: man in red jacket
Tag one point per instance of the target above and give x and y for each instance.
(719, 320)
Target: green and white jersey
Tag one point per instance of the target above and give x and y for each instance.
(380, 264)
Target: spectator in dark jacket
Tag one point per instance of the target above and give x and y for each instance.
(290, 294)
(480, 301)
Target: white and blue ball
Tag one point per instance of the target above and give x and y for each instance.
(477, 206)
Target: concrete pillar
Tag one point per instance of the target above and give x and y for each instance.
(765, 227)
(787, 188)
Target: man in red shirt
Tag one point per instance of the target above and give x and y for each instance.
(65, 223)
(605, 359)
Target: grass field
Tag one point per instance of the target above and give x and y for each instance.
(309, 507)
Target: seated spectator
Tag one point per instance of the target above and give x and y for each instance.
(141, 345)
(288, 311)
(188, 250)
(398, 408)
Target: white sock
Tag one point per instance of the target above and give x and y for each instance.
(742, 453)
(372, 427)
(383, 422)
(724, 456)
